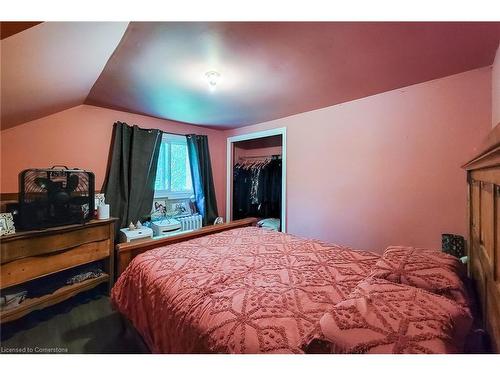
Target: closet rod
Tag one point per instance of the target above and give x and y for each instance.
(259, 157)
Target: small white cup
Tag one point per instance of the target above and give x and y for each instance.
(103, 212)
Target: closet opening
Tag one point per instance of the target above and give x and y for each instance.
(256, 178)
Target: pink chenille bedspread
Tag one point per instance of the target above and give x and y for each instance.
(246, 290)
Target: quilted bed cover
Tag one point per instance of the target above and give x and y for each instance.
(246, 290)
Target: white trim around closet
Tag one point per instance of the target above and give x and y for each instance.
(229, 168)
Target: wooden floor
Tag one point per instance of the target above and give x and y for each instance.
(83, 324)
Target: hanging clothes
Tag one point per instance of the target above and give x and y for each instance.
(257, 188)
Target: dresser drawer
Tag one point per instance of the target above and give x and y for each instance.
(52, 242)
(29, 268)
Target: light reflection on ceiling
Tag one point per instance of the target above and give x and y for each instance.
(273, 70)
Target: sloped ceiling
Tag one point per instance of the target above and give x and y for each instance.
(10, 28)
(268, 70)
(52, 66)
(273, 70)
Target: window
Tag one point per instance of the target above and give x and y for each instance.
(173, 176)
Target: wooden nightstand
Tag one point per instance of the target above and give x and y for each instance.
(31, 255)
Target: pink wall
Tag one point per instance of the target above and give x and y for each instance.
(81, 137)
(385, 170)
(495, 98)
(368, 173)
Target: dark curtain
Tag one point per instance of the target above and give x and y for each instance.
(130, 181)
(201, 172)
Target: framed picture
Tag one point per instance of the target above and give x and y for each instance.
(6, 224)
(180, 208)
(159, 209)
(99, 200)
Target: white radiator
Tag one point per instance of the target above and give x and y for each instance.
(190, 222)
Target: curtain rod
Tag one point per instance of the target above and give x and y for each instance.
(151, 129)
(161, 131)
(164, 132)
(183, 135)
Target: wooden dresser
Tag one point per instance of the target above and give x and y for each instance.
(31, 255)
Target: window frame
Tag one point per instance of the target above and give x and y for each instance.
(168, 194)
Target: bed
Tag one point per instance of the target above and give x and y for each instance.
(242, 290)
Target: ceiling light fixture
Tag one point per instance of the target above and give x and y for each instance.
(212, 79)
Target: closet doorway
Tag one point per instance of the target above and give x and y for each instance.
(256, 177)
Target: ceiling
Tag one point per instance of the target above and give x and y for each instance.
(268, 70)
(52, 66)
(10, 28)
